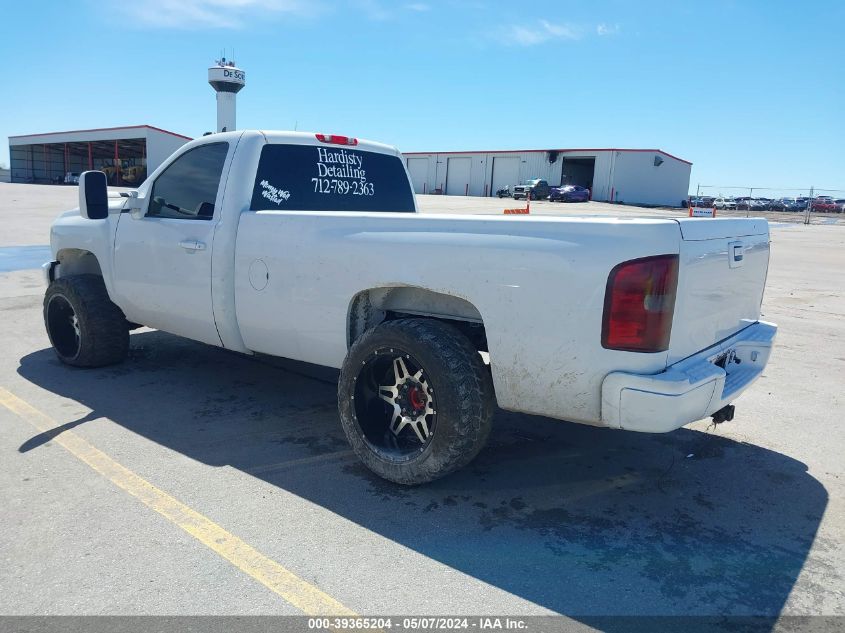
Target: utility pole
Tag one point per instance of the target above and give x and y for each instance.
(750, 197)
(809, 206)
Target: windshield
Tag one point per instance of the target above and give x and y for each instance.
(533, 181)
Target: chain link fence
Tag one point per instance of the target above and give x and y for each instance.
(808, 205)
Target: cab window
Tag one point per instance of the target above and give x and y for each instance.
(187, 189)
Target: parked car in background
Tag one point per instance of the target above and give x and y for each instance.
(797, 204)
(699, 201)
(569, 193)
(538, 189)
(724, 203)
(504, 192)
(785, 204)
(746, 203)
(72, 178)
(840, 203)
(824, 204)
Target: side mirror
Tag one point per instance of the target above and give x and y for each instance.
(93, 195)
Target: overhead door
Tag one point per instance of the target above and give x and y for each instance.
(457, 176)
(505, 173)
(418, 170)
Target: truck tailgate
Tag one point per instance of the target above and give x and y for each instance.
(722, 273)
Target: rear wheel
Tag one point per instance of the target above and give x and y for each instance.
(415, 400)
(85, 328)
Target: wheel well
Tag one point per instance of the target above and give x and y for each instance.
(75, 261)
(377, 305)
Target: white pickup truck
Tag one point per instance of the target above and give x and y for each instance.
(311, 247)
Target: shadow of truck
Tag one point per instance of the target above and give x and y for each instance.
(580, 520)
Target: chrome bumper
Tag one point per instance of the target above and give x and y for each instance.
(691, 389)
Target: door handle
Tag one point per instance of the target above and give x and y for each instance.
(192, 245)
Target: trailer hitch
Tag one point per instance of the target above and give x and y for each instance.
(725, 414)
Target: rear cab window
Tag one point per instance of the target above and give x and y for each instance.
(330, 178)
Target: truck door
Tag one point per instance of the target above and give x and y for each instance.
(162, 261)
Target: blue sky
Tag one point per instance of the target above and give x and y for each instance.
(753, 93)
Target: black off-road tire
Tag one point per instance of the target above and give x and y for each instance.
(464, 398)
(103, 332)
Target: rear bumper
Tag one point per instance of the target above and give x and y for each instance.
(689, 390)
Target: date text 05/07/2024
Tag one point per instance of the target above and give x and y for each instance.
(438, 623)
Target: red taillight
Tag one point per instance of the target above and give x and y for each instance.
(639, 303)
(336, 139)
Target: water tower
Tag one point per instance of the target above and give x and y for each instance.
(227, 80)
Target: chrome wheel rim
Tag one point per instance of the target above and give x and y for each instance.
(394, 404)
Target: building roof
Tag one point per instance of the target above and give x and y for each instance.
(525, 151)
(104, 129)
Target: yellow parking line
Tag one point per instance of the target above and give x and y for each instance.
(298, 592)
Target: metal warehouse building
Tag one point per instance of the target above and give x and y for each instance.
(634, 176)
(125, 154)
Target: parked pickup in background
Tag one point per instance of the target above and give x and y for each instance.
(311, 247)
(824, 204)
(539, 189)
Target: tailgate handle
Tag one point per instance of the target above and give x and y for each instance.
(736, 254)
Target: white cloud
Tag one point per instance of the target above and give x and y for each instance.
(540, 32)
(224, 14)
(607, 29)
(381, 10)
(373, 9)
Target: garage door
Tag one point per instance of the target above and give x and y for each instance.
(418, 170)
(457, 176)
(505, 173)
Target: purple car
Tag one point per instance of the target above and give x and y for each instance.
(569, 193)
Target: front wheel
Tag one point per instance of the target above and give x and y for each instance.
(415, 400)
(84, 326)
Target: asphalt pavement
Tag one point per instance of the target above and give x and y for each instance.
(191, 480)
